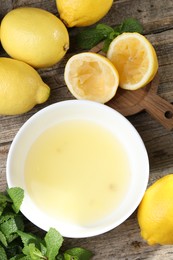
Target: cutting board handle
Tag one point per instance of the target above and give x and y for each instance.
(160, 109)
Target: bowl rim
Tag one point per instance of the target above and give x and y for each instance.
(96, 231)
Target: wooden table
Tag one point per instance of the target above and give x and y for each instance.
(156, 16)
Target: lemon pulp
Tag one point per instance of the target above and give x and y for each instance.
(135, 59)
(77, 171)
(91, 76)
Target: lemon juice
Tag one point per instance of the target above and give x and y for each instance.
(77, 171)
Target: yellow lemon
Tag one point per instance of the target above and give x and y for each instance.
(82, 13)
(91, 76)
(21, 87)
(34, 36)
(135, 59)
(155, 212)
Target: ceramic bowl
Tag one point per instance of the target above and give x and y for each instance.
(106, 117)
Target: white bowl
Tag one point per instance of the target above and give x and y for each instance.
(81, 110)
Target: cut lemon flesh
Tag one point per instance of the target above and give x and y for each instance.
(91, 76)
(135, 59)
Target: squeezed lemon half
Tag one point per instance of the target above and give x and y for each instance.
(135, 59)
(91, 76)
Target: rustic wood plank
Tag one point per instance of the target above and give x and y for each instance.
(124, 242)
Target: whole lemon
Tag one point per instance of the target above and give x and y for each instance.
(34, 36)
(155, 212)
(21, 87)
(82, 13)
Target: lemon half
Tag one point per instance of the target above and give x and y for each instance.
(135, 59)
(91, 76)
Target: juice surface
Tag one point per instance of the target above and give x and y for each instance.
(78, 171)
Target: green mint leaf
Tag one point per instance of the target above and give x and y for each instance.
(80, 253)
(88, 38)
(3, 239)
(3, 255)
(112, 35)
(6, 216)
(131, 25)
(2, 207)
(108, 41)
(33, 252)
(106, 44)
(17, 195)
(28, 238)
(42, 247)
(3, 202)
(104, 29)
(59, 257)
(14, 248)
(118, 28)
(53, 241)
(20, 257)
(69, 257)
(4, 198)
(10, 227)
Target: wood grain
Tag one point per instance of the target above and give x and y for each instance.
(156, 16)
(131, 102)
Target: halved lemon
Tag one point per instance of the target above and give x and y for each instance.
(135, 59)
(91, 76)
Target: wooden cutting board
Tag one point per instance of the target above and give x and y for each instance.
(130, 102)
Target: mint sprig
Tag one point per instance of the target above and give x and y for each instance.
(90, 37)
(16, 244)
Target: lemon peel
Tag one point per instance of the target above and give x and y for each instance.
(82, 13)
(155, 212)
(35, 36)
(135, 59)
(21, 87)
(91, 76)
